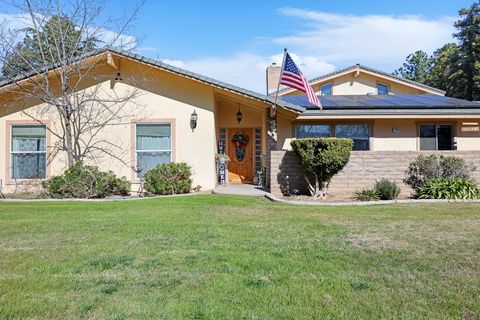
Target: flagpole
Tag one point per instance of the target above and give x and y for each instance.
(273, 111)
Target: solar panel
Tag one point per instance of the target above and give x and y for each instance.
(412, 101)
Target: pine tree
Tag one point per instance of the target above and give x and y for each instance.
(40, 47)
(416, 68)
(468, 59)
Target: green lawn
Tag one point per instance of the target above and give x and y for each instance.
(218, 257)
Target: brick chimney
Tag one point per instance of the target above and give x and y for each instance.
(273, 76)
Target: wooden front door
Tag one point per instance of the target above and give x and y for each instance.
(240, 150)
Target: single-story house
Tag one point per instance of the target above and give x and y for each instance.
(390, 120)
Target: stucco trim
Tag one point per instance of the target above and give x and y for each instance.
(8, 166)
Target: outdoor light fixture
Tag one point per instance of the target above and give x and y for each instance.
(239, 114)
(193, 120)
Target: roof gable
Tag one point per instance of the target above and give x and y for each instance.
(371, 71)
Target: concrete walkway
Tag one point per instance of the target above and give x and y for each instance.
(240, 190)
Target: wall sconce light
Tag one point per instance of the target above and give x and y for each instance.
(396, 130)
(193, 120)
(239, 114)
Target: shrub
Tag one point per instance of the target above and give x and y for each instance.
(366, 195)
(387, 190)
(425, 168)
(448, 188)
(82, 181)
(169, 178)
(322, 158)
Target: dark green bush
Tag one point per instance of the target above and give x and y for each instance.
(448, 188)
(169, 178)
(366, 195)
(426, 168)
(82, 181)
(322, 158)
(387, 190)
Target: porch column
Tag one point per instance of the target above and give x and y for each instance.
(271, 142)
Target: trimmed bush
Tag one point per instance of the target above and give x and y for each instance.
(387, 190)
(449, 188)
(82, 181)
(366, 195)
(169, 178)
(322, 158)
(426, 168)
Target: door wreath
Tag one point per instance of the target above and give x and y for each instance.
(240, 140)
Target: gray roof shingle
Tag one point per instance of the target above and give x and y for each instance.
(170, 68)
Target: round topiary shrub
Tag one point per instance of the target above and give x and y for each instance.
(82, 181)
(449, 188)
(322, 158)
(169, 178)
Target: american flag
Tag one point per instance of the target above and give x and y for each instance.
(294, 78)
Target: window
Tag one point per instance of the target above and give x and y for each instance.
(153, 146)
(312, 131)
(436, 137)
(28, 152)
(359, 133)
(326, 89)
(382, 89)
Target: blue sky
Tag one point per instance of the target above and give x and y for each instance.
(234, 41)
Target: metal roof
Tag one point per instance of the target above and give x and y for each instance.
(362, 67)
(170, 68)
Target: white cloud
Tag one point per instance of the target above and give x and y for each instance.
(248, 70)
(330, 41)
(377, 40)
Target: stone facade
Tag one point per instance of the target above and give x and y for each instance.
(271, 142)
(363, 169)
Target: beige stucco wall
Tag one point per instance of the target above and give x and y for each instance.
(164, 97)
(350, 84)
(383, 137)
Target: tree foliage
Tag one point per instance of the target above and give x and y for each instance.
(454, 68)
(43, 71)
(322, 158)
(40, 46)
(417, 67)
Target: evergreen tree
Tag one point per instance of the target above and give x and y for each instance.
(40, 47)
(444, 74)
(417, 67)
(468, 59)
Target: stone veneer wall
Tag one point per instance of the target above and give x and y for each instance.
(363, 169)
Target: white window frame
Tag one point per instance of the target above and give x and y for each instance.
(26, 152)
(153, 151)
(385, 85)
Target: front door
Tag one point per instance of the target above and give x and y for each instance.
(240, 146)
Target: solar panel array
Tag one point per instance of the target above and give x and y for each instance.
(399, 101)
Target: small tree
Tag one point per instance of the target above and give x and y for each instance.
(45, 70)
(322, 158)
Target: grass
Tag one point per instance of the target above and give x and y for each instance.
(219, 257)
